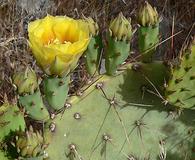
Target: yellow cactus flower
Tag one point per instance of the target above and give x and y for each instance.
(58, 42)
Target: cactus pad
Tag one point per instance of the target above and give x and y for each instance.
(11, 119)
(56, 91)
(34, 106)
(93, 55)
(180, 90)
(117, 53)
(119, 118)
(148, 38)
(120, 33)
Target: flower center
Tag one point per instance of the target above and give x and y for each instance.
(57, 41)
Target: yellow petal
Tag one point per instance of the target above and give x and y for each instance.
(78, 47)
(66, 30)
(58, 42)
(42, 29)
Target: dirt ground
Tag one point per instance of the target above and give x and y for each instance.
(178, 16)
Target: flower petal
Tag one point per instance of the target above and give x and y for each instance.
(58, 42)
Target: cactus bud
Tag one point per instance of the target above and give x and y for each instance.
(92, 25)
(30, 144)
(120, 28)
(26, 81)
(147, 15)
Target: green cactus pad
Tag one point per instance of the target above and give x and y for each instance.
(180, 90)
(120, 118)
(11, 119)
(148, 38)
(117, 52)
(3, 156)
(56, 91)
(34, 106)
(93, 55)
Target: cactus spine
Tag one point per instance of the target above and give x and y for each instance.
(93, 52)
(29, 94)
(148, 32)
(118, 43)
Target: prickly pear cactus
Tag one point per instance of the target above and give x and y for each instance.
(93, 55)
(148, 32)
(29, 94)
(56, 91)
(115, 117)
(123, 118)
(34, 106)
(11, 119)
(118, 43)
(180, 87)
(93, 52)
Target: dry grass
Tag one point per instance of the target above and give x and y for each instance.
(177, 15)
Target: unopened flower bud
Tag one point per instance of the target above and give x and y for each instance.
(148, 16)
